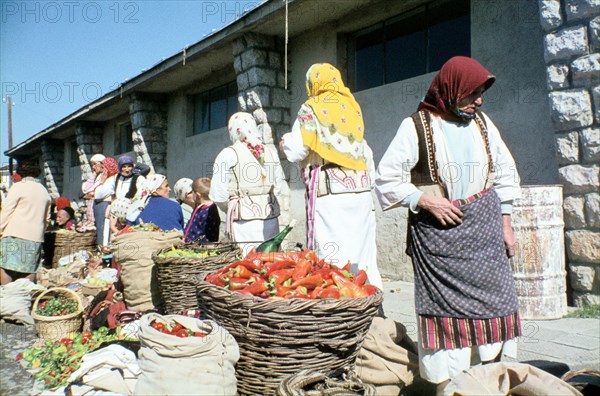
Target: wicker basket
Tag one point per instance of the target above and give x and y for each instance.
(314, 383)
(176, 275)
(279, 338)
(57, 327)
(58, 244)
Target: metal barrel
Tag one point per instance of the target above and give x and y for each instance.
(539, 262)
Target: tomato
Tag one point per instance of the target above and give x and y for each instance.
(181, 333)
(86, 334)
(199, 334)
(66, 341)
(176, 328)
(158, 326)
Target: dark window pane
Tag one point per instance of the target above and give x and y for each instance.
(405, 57)
(369, 60)
(232, 100)
(218, 107)
(448, 39)
(201, 113)
(74, 154)
(125, 138)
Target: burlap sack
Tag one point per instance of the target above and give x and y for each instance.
(134, 252)
(507, 378)
(186, 366)
(388, 358)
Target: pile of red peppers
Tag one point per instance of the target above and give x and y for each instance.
(295, 274)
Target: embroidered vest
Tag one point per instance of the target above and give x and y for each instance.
(425, 173)
(251, 194)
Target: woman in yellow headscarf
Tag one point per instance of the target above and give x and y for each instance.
(327, 141)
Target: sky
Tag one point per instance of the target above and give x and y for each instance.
(58, 56)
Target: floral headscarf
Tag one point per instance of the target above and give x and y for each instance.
(153, 183)
(182, 188)
(242, 128)
(339, 116)
(458, 78)
(119, 208)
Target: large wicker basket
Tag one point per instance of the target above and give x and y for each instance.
(177, 275)
(278, 338)
(57, 327)
(58, 244)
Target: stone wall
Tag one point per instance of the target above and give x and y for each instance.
(149, 124)
(572, 55)
(89, 142)
(52, 159)
(258, 63)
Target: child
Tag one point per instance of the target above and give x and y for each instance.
(205, 221)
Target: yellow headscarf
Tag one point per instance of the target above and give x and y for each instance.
(339, 116)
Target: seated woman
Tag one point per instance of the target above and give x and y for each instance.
(65, 219)
(205, 221)
(118, 213)
(158, 209)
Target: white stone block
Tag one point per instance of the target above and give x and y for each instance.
(586, 70)
(574, 213)
(592, 210)
(571, 109)
(583, 246)
(567, 148)
(590, 144)
(596, 96)
(582, 277)
(550, 16)
(579, 179)
(595, 34)
(579, 9)
(566, 43)
(260, 116)
(557, 76)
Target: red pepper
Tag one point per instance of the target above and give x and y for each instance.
(309, 255)
(301, 292)
(347, 288)
(301, 269)
(256, 288)
(278, 265)
(238, 283)
(216, 279)
(277, 256)
(280, 276)
(346, 267)
(282, 291)
(360, 278)
(330, 292)
(242, 272)
(370, 289)
(315, 293)
(309, 282)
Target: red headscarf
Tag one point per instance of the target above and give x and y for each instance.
(458, 78)
(62, 202)
(110, 166)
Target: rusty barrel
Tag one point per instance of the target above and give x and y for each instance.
(539, 262)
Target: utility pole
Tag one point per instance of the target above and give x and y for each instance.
(10, 139)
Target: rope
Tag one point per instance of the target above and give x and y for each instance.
(286, 45)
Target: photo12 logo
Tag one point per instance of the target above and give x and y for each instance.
(69, 11)
(54, 92)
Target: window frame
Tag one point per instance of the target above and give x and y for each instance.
(119, 143)
(427, 11)
(210, 96)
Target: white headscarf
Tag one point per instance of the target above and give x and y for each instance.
(97, 158)
(119, 207)
(242, 128)
(182, 188)
(151, 184)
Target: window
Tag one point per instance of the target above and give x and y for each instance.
(213, 108)
(123, 138)
(411, 44)
(73, 154)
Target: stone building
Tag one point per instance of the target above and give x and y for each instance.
(546, 100)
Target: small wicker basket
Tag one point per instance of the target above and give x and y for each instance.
(315, 383)
(177, 275)
(278, 338)
(57, 327)
(58, 244)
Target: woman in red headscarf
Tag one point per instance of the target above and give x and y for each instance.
(103, 195)
(450, 167)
